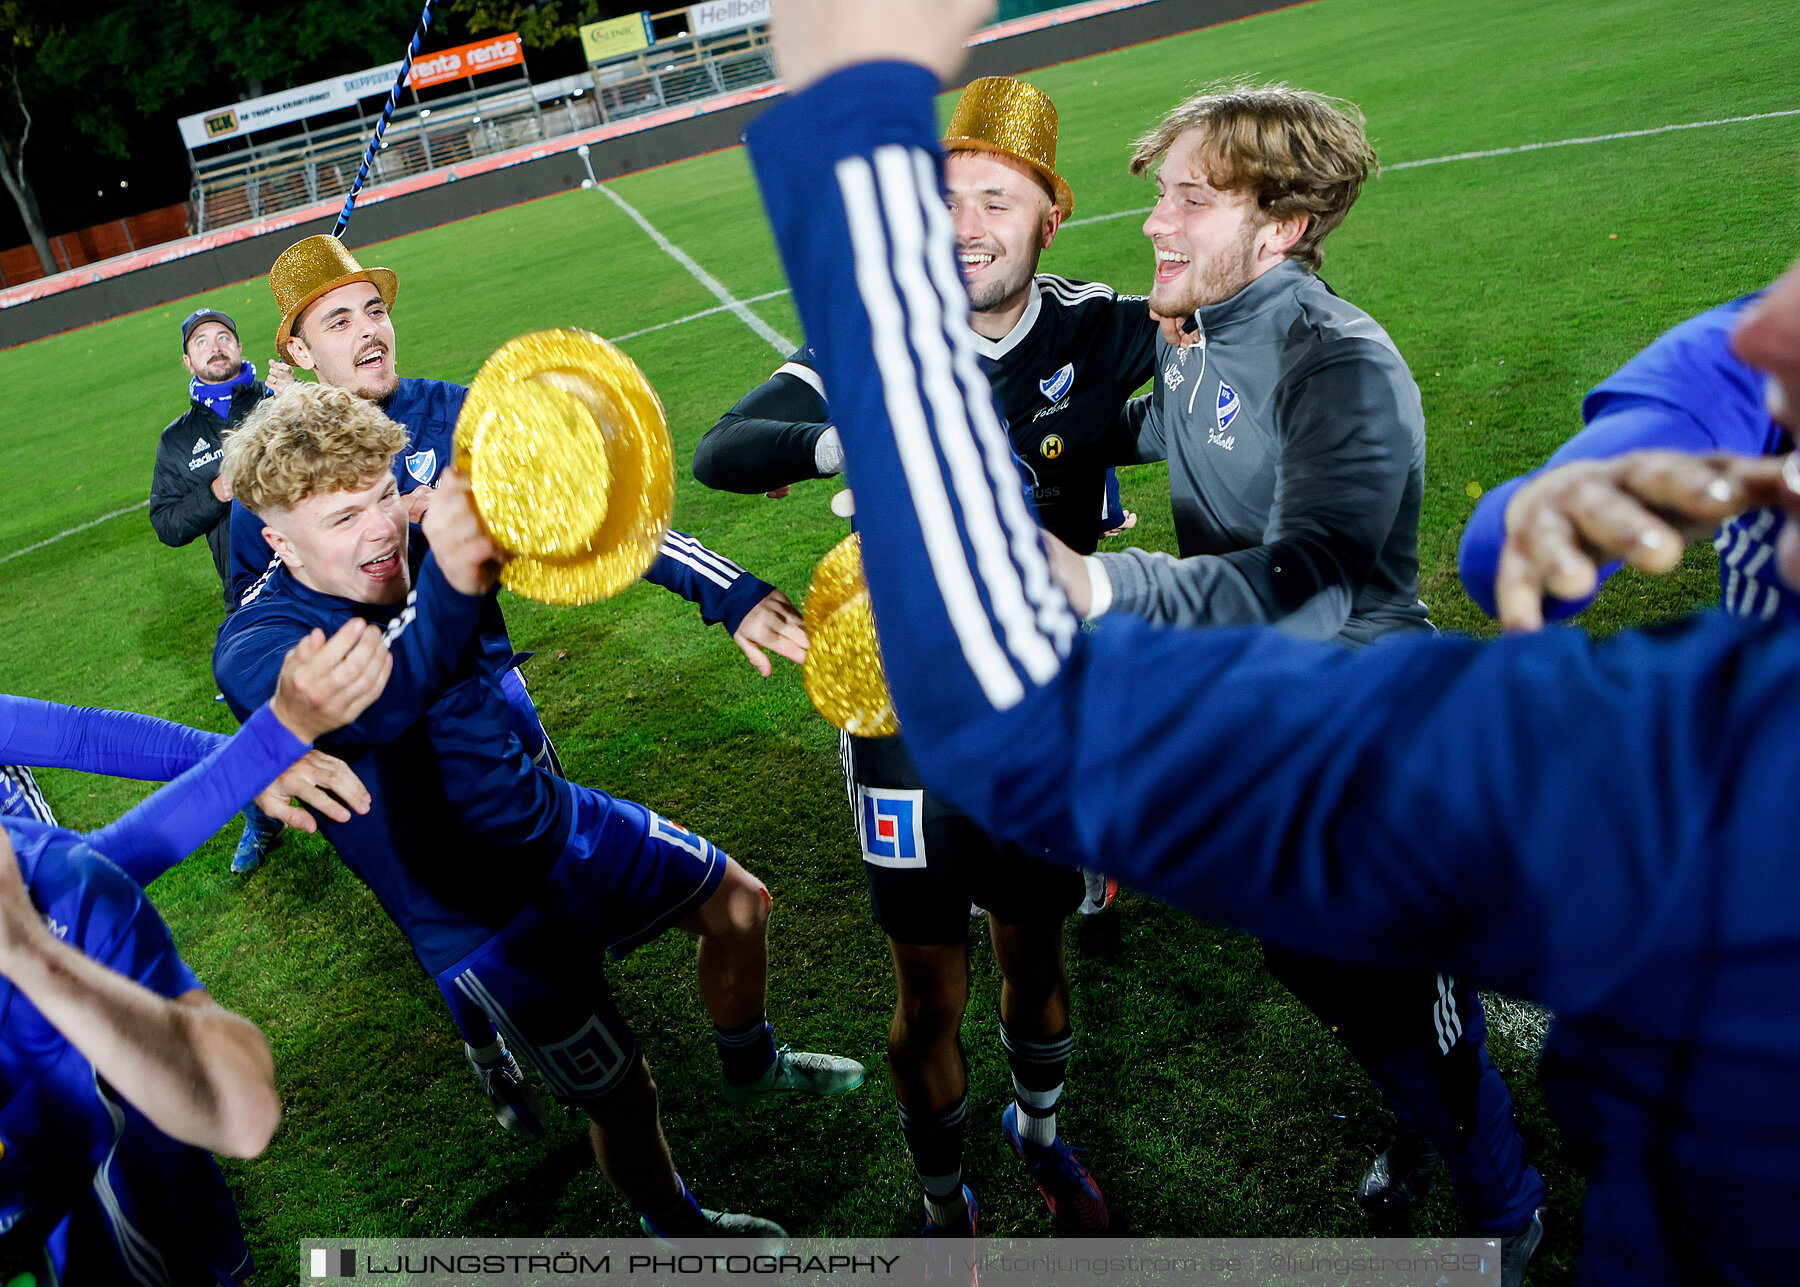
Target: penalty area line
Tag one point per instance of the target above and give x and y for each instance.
(729, 302)
(695, 317)
(79, 527)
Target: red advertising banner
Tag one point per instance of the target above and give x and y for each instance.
(467, 60)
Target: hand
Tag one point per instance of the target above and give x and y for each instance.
(1767, 336)
(1129, 523)
(320, 780)
(326, 683)
(1174, 330)
(814, 38)
(21, 927)
(775, 623)
(281, 375)
(1642, 508)
(221, 488)
(466, 554)
(1069, 570)
(418, 502)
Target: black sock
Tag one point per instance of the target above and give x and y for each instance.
(935, 1140)
(746, 1052)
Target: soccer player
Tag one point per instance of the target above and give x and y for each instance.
(1572, 523)
(1065, 357)
(116, 1068)
(1599, 827)
(507, 879)
(336, 322)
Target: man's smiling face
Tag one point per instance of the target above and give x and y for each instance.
(351, 544)
(347, 336)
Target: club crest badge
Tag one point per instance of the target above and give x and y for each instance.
(1056, 387)
(1228, 405)
(422, 465)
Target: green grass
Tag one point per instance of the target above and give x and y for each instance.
(1212, 1103)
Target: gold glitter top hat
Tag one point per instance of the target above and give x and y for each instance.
(568, 451)
(308, 269)
(1007, 116)
(843, 674)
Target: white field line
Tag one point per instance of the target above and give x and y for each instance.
(80, 527)
(776, 340)
(695, 317)
(1504, 151)
(782, 345)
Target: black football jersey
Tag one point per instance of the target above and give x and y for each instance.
(1061, 377)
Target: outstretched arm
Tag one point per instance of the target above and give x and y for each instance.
(757, 614)
(1417, 803)
(200, 1073)
(323, 684)
(118, 744)
(1539, 546)
(777, 435)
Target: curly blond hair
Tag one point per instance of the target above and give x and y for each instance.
(1297, 152)
(308, 440)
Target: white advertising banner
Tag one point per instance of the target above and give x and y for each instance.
(725, 15)
(289, 105)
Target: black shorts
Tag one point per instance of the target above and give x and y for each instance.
(927, 861)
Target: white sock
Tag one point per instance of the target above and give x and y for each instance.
(1037, 1130)
(953, 1212)
(492, 1053)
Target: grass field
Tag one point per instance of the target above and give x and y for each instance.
(1211, 1103)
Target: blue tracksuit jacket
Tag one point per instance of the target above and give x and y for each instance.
(1602, 827)
(464, 828)
(120, 1201)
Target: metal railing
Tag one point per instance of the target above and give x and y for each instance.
(684, 70)
(320, 163)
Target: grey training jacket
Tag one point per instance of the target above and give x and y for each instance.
(1296, 446)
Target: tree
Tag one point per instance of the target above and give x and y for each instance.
(24, 27)
(109, 71)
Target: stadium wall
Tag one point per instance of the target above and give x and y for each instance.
(175, 271)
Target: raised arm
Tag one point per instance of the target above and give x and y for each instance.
(1284, 786)
(757, 615)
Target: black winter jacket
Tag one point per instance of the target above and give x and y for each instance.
(182, 505)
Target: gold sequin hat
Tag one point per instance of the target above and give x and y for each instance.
(843, 674)
(1007, 116)
(568, 451)
(308, 269)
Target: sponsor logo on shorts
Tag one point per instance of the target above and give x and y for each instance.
(892, 824)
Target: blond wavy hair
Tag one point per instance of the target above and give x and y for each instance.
(309, 440)
(1296, 152)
